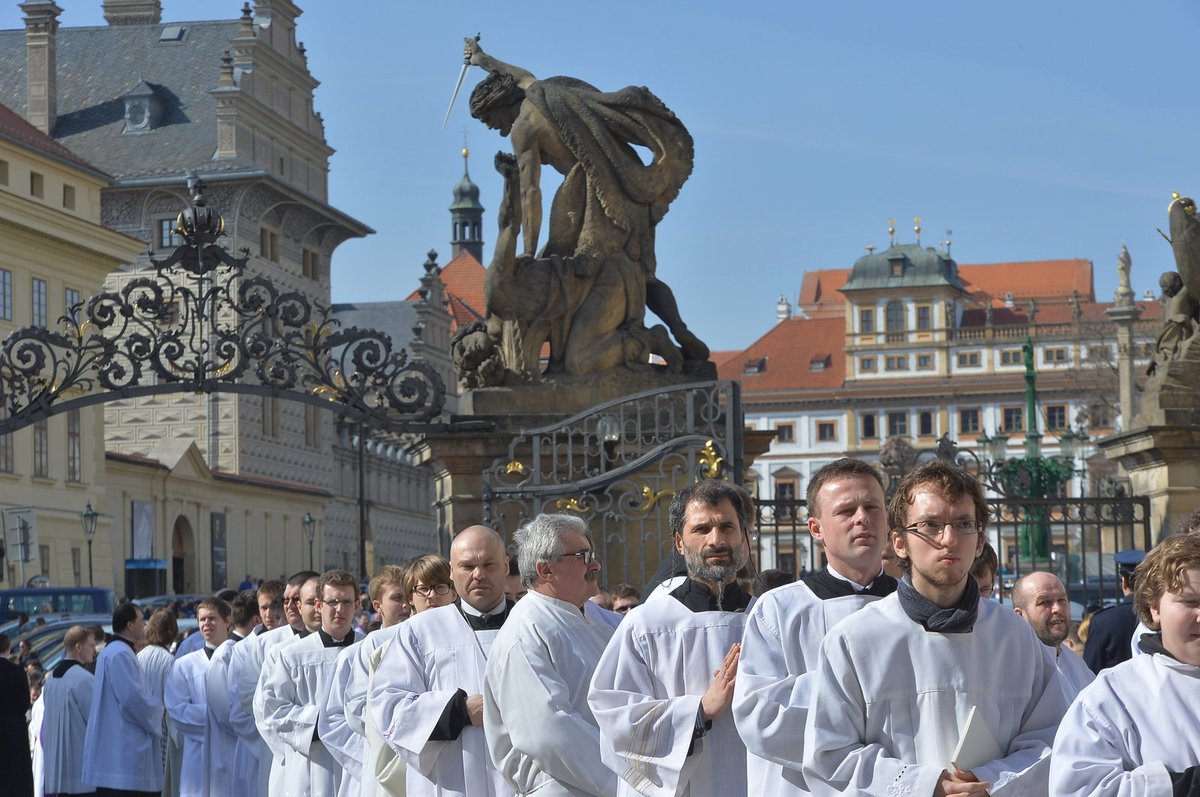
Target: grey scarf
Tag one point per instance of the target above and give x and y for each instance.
(958, 619)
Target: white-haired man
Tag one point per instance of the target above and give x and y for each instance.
(540, 730)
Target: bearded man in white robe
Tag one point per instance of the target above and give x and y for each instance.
(343, 717)
(293, 682)
(899, 680)
(1041, 599)
(847, 515)
(665, 724)
(426, 697)
(257, 758)
(66, 703)
(540, 730)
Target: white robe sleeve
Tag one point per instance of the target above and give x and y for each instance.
(189, 713)
(1091, 753)
(564, 745)
(217, 691)
(241, 718)
(282, 719)
(771, 696)
(837, 761)
(332, 722)
(403, 706)
(125, 679)
(646, 741)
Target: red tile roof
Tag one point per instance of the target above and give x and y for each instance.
(787, 352)
(15, 128)
(463, 277)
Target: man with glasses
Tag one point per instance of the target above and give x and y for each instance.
(427, 698)
(902, 681)
(540, 731)
(847, 516)
(292, 685)
(668, 674)
(246, 669)
(625, 597)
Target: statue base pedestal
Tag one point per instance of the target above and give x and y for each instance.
(564, 396)
(1162, 464)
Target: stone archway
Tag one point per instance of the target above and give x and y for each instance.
(183, 557)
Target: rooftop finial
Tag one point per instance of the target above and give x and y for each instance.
(892, 231)
(917, 228)
(949, 240)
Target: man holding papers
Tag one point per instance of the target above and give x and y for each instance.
(898, 679)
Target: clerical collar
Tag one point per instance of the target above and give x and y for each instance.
(491, 621)
(303, 632)
(329, 642)
(119, 638)
(61, 668)
(234, 636)
(828, 583)
(208, 650)
(696, 596)
(258, 629)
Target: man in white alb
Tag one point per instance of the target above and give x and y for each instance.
(898, 680)
(67, 701)
(220, 736)
(662, 690)
(540, 730)
(1041, 599)
(245, 669)
(186, 696)
(427, 697)
(292, 685)
(847, 515)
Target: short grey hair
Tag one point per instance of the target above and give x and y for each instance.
(541, 540)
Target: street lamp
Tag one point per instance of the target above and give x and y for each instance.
(88, 518)
(310, 531)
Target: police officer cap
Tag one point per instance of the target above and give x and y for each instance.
(1129, 559)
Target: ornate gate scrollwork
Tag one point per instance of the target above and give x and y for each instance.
(200, 324)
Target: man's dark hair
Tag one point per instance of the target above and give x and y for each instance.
(950, 481)
(838, 469)
(625, 591)
(227, 595)
(986, 562)
(768, 580)
(302, 578)
(712, 492)
(5, 644)
(272, 589)
(245, 607)
(497, 90)
(123, 615)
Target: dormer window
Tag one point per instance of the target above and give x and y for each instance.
(897, 266)
(820, 362)
(755, 366)
(143, 108)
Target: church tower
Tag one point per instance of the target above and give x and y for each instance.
(466, 216)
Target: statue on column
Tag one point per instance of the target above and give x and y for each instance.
(1181, 288)
(586, 292)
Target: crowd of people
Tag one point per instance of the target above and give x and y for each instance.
(482, 677)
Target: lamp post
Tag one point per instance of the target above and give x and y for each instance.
(310, 531)
(88, 518)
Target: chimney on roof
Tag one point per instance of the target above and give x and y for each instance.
(132, 12)
(783, 309)
(41, 34)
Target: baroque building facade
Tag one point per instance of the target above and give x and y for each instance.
(908, 346)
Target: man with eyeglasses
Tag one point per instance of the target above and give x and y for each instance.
(904, 680)
(847, 516)
(427, 698)
(246, 670)
(662, 690)
(292, 685)
(244, 767)
(540, 731)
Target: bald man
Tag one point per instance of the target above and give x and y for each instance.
(426, 696)
(1041, 599)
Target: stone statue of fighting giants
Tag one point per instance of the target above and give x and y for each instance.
(1181, 288)
(586, 292)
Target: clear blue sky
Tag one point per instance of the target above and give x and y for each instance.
(1033, 130)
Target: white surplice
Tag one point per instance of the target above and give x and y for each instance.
(773, 691)
(66, 703)
(286, 705)
(384, 772)
(645, 695)
(891, 698)
(187, 707)
(540, 730)
(1137, 722)
(341, 716)
(121, 747)
(435, 654)
(220, 739)
(254, 757)
(1074, 673)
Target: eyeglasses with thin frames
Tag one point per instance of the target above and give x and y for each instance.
(587, 557)
(344, 603)
(437, 589)
(931, 530)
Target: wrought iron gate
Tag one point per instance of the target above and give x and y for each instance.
(617, 465)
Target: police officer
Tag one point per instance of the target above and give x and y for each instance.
(1111, 631)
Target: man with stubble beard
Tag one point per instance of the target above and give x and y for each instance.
(669, 671)
(1041, 599)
